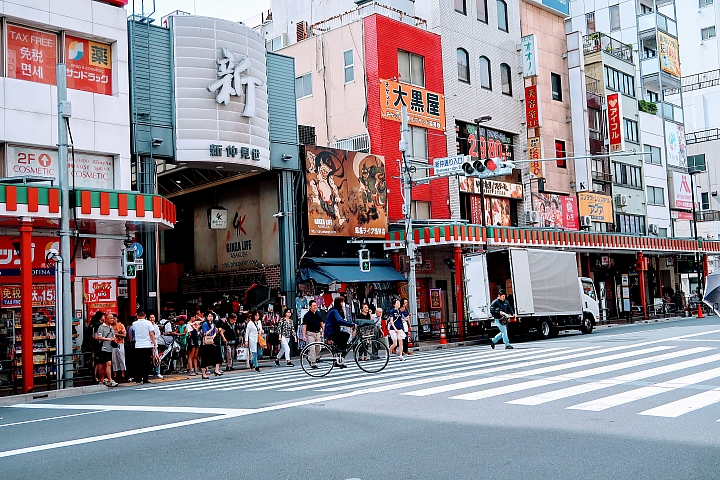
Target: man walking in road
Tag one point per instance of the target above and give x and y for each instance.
(313, 325)
(501, 310)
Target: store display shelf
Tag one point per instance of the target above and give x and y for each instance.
(36, 325)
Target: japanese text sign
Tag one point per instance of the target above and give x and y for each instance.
(89, 65)
(529, 55)
(598, 207)
(535, 155)
(42, 296)
(425, 109)
(556, 211)
(31, 55)
(681, 194)
(614, 116)
(532, 106)
(486, 143)
(669, 56)
(100, 290)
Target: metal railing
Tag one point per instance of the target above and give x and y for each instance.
(363, 11)
(707, 216)
(700, 136)
(697, 81)
(356, 143)
(599, 42)
(649, 20)
(670, 111)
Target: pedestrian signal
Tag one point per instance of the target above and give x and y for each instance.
(364, 255)
(129, 267)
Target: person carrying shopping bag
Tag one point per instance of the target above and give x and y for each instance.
(251, 341)
(286, 331)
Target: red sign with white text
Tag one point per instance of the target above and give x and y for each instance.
(532, 106)
(100, 295)
(31, 55)
(89, 65)
(570, 213)
(614, 116)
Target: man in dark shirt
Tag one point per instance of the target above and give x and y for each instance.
(228, 330)
(501, 310)
(312, 328)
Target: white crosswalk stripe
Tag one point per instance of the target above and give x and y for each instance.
(685, 405)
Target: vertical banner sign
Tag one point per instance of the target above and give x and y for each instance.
(31, 55)
(529, 55)
(89, 65)
(535, 155)
(614, 116)
(669, 56)
(532, 106)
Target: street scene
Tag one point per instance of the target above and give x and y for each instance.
(358, 239)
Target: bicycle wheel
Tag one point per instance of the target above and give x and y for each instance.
(371, 355)
(324, 360)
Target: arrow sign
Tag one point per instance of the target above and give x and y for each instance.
(447, 166)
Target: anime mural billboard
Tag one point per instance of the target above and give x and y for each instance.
(346, 193)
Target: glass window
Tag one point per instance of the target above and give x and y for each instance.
(275, 44)
(411, 68)
(420, 210)
(590, 22)
(707, 33)
(651, 96)
(705, 3)
(696, 163)
(662, 232)
(631, 130)
(349, 66)
(556, 82)
(417, 146)
(705, 201)
(506, 79)
(303, 86)
(589, 289)
(630, 224)
(460, 6)
(614, 18)
(463, 64)
(502, 15)
(656, 196)
(655, 157)
(627, 175)
(482, 12)
(560, 153)
(620, 82)
(485, 73)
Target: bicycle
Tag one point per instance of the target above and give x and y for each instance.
(363, 346)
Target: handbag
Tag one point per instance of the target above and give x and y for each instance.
(208, 340)
(242, 353)
(261, 342)
(114, 344)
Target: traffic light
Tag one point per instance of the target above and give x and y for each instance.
(364, 255)
(129, 267)
(490, 167)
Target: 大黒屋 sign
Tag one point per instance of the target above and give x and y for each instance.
(425, 109)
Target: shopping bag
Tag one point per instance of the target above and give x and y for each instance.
(242, 353)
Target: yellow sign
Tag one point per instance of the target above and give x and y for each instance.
(425, 109)
(598, 207)
(669, 55)
(535, 153)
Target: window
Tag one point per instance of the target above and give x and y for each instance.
(275, 44)
(662, 232)
(645, 9)
(704, 201)
(420, 210)
(705, 3)
(560, 153)
(556, 82)
(590, 22)
(627, 175)
(696, 163)
(460, 7)
(463, 65)
(349, 62)
(505, 79)
(502, 15)
(482, 13)
(417, 144)
(303, 86)
(411, 68)
(652, 96)
(631, 130)
(630, 224)
(485, 73)
(619, 81)
(595, 122)
(707, 33)
(614, 18)
(656, 196)
(655, 157)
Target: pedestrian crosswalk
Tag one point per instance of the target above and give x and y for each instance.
(659, 378)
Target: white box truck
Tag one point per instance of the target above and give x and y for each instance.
(543, 287)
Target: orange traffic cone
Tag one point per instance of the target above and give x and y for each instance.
(700, 312)
(443, 338)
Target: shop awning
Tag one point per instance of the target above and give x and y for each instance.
(347, 270)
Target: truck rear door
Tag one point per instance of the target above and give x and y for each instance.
(522, 286)
(477, 288)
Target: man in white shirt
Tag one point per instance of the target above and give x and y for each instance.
(145, 347)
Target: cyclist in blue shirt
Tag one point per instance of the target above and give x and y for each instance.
(335, 319)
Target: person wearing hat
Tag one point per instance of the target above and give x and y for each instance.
(501, 310)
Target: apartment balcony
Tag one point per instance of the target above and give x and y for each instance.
(707, 216)
(602, 176)
(709, 135)
(653, 75)
(356, 143)
(648, 21)
(599, 42)
(670, 112)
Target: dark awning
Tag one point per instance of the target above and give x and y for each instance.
(347, 270)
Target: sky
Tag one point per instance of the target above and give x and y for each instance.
(235, 10)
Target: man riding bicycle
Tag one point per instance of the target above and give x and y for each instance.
(335, 319)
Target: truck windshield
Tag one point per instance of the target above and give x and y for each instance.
(589, 290)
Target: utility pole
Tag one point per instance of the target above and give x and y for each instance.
(695, 236)
(64, 322)
(407, 213)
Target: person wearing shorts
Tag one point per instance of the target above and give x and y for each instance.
(106, 335)
(395, 326)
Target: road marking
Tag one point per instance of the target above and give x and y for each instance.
(686, 405)
(135, 408)
(50, 418)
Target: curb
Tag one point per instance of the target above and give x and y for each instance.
(427, 348)
(65, 392)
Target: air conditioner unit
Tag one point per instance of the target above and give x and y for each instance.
(653, 229)
(532, 217)
(586, 221)
(620, 200)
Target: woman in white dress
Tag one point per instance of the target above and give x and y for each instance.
(251, 340)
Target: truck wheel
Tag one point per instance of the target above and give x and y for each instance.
(587, 325)
(545, 330)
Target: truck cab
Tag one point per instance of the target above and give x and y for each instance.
(591, 305)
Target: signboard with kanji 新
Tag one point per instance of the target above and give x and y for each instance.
(89, 65)
(532, 106)
(425, 109)
(535, 155)
(596, 206)
(614, 116)
(529, 55)
(31, 54)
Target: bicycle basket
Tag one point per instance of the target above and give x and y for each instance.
(367, 331)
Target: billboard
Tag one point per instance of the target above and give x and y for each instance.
(681, 194)
(615, 118)
(31, 54)
(556, 211)
(100, 295)
(425, 109)
(596, 206)
(491, 188)
(89, 65)
(675, 144)
(347, 193)
(529, 55)
(669, 56)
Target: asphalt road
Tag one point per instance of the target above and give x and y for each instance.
(635, 402)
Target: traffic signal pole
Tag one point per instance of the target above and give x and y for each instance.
(407, 214)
